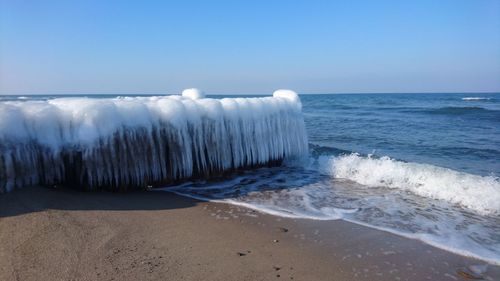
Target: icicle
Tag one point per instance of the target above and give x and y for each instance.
(122, 143)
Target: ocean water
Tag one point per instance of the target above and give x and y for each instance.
(423, 166)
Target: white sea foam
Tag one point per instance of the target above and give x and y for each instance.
(478, 193)
(475, 98)
(137, 141)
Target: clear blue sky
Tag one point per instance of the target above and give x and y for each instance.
(151, 47)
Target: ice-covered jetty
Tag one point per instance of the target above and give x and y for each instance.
(135, 142)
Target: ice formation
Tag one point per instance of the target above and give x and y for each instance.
(193, 93)
(128, 142)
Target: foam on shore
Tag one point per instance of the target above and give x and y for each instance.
(389, 199)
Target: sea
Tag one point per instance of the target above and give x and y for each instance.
(423, 166)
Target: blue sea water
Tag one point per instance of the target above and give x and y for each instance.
(458, 131)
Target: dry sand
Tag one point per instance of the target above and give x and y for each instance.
(49, 234)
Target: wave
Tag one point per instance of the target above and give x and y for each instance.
(318, 150)
(478, 193)
(475, 98)
(457, 110)
(473, 111)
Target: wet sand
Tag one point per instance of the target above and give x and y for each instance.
(58, 234)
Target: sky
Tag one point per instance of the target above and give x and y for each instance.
(249, 47)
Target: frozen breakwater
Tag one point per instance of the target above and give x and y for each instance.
(135, 142)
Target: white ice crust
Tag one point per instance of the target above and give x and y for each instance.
(193, 93)
(182, 133)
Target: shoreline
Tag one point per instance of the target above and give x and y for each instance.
(61, 234)
(387, 230)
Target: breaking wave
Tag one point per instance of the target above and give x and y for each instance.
(478, 193)
(475, 98)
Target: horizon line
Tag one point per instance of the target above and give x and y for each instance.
(247, 94)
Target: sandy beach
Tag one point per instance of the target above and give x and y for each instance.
(59, 234)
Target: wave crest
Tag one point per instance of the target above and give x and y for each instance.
(478, 193)
(475, 98)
